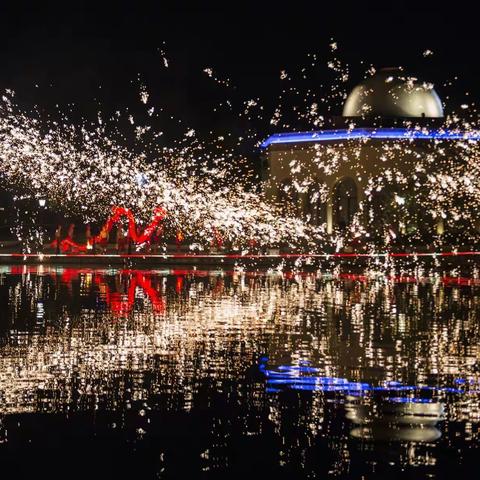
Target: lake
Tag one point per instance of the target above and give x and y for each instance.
(188, 373)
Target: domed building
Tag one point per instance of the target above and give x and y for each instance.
(389, 94)
(389, 121)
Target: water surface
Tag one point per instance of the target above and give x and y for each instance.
(203, 374)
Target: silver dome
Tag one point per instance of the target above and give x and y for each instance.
(389, 93)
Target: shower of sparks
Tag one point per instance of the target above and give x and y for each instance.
(84, 172)
(225, 82)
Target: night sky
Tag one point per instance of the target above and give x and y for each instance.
(92, 56)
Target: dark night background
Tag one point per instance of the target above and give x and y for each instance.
(91, 54)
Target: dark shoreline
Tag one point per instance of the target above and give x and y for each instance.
(463, 263)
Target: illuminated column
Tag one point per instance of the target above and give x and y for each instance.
(440, 227)
(329, 216)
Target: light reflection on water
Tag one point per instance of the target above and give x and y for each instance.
(345, 375)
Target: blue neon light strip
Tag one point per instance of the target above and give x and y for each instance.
(364, 133)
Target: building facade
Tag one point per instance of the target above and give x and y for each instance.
(389, 122)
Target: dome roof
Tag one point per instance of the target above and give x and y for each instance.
(389, 93)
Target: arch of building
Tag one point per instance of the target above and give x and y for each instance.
(344, 201)
(315, 207)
